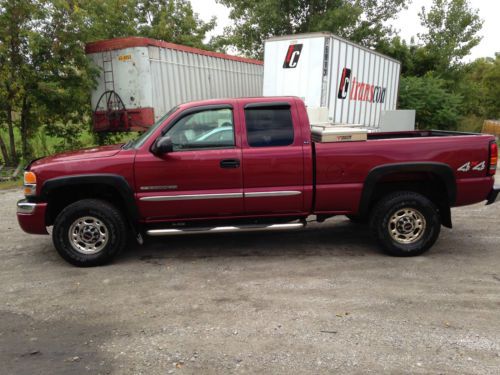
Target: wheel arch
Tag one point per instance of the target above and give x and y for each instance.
(60, 191)
(435, 180)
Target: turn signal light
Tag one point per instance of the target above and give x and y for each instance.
(493, 158)
(29, 185)
(29, 178)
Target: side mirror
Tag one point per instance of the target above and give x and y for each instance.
(163, 145)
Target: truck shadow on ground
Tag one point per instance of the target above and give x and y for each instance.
(31, 346)
(340, 238)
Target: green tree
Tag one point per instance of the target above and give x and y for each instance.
(106, 19)
(480, 87)
(435, 106)
(173, 21)
(491, 82)
(15, 23)
(170, 20)
(433, 67)
(46, 74)
(452, 31)
(45, 77)
(363, 21)
(3, 104)
(402, 51)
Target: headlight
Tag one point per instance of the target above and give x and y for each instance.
(29, 184)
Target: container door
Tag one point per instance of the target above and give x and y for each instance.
(273, 160)
(202, 176)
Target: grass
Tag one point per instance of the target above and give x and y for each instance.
(11, 184)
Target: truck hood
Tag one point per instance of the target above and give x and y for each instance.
(84, 154)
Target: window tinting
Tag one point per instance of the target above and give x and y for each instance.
(269, 126)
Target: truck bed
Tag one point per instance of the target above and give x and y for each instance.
(342, 167)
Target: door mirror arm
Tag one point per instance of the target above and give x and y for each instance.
(162, 145)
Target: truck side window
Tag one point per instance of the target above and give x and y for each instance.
(269, 126)
(203, 130)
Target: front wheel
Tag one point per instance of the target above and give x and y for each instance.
(405, 224)
(89, 232)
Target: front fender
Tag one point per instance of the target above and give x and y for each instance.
(119, 183)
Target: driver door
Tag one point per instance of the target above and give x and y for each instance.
(201, 177)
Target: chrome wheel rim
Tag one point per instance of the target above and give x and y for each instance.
(407, 225)
(88, 235)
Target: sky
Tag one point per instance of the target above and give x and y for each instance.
(408, 22)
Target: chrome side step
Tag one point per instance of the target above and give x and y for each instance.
(228, 229)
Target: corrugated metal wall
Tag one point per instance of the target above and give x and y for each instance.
(181, 77)
(316, 76)
(161, 78)
(368, 67)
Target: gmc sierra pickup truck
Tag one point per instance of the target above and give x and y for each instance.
(251, 164)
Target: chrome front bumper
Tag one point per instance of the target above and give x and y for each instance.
(25, 207)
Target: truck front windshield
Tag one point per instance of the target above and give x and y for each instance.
(138, 142)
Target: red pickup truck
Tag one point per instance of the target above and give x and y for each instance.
(251, 164)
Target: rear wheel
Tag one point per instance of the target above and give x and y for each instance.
(405, 223)
(89, 232)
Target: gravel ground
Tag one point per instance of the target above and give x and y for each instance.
(320, 300)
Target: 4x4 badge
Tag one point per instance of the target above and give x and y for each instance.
(472, 165)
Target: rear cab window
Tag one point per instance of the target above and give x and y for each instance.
(269, 125)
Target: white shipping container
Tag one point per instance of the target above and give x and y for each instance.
(141, 79)
(354, 82)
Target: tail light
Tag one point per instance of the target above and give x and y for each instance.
(493, 158)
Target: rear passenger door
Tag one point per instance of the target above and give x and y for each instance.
(272, 154)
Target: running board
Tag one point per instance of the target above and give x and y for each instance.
(242, 228)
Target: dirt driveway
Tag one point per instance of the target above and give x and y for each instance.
(321, 300)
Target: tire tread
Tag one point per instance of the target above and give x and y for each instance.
(386, 204)
(115, 222)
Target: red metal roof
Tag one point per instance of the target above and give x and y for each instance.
(134, 41)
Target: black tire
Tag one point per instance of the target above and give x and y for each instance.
(405, 224)
(105, 222)
(357, 219)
